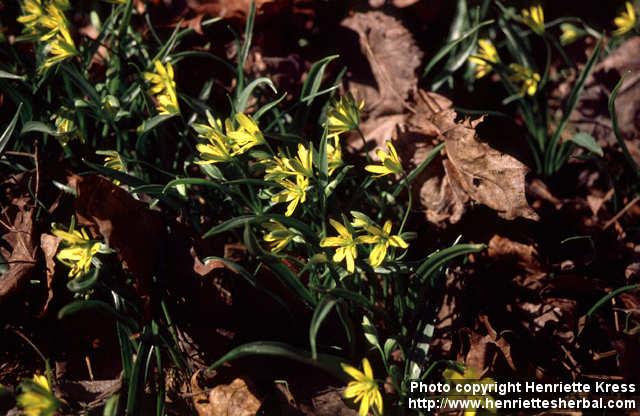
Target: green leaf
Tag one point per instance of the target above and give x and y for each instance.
(9, 75)
(268, 107)
(444, 51)
(290, 280)
(125, 178)
(605, 299)
(39, 127)
(314, 79)
(6, 135)
(616, 127)
(153, 122)
(137, 381)
(235, 222)
(111, 406)
(427, 269)
(586, 141)
(326, 362)
(319, 314)
(243, 97)
(93, 306)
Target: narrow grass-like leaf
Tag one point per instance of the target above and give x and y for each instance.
(153, 122)
(616, 128)
(326, 362)
(243, 97)
(444, 51)
(427, 269)
(605, 299)
(421, 167)
(6, 134)
(92, 306)
(319, 314)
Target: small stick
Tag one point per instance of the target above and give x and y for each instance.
(621, 212)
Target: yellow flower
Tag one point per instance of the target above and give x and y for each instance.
(487, 55)
(278, 236)
(218, 147)
(389, 162)
(334, 155)
(46, 22)
(569, 33)
(32, 12)
(526, 77)
(246, 136)
(346, 243)
(281, 167)
(65, 127)
(163, 88)
(381, 238)
(36, 398)
(626, 21)
(534, 18)
(469, 377)
(363, 388)
(293, 193)
(343, 115)
(78, 250)
(113, 160)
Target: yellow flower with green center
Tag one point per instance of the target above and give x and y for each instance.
(469, 377)
(334, 154)
(277, 168)
(246, 136)
(218, 147)
(527, 79)
(534, 18)
(389, 162)
(293, 193)
(483, 60)
(380, 238)
(626, 21)
(343, 115)
(36, 398)
(32, 12)
(569, 33)
(346, 244)
(78, 250)
(363, 389)
(278, 236)
(163, 88)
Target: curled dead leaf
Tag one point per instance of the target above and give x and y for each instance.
(234, 399)
(393, 56)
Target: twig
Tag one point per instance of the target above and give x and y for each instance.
(621, 212)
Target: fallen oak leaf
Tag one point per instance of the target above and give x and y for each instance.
(394, 57)
(487, 176)
(22, 256)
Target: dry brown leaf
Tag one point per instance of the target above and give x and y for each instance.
(394, 57)
(487, 176)
(235, 399)
(49, 246)
(233, 9)
(22, 256)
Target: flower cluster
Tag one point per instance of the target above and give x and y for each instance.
(78, 250)
(45, 21)
(347, 241)
(163, 88)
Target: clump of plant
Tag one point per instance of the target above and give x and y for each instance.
(335, 235)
